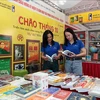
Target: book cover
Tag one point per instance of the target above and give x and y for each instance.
(52, 90)
(48, 71)
(78, 85)
(52, 98)
(77, 96)
(68, 84)
(3, 84)
(10, 97)
(67, 53)
(35, 97)
(95, 91)
(8, 88)
(51, 58)
(43, 94)
(27, 90)
(6, 78)
(62, 94)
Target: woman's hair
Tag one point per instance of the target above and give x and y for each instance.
(45, 38)
(73, 34)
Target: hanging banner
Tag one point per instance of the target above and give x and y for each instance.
(23, 23)
(87, 17)
(20, 22)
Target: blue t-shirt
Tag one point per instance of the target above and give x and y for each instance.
(75, 48)
(50, 50)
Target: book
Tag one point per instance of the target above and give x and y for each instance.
(8, 89)
(28, 77)
(3, 84)
(43, 94)
(52, 90)
(20, 81)
(10, 97)
(6, 78)
(51, 58)
(62, 94)
(95, 91)
(48, 71)
(53, 98)
(78, 96)
(68, 84)
(35, 97)
(67, 53)
(87, 86)
(54, 79)
(26, 90)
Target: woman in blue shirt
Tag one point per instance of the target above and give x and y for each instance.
(50, 47)
(73, 64)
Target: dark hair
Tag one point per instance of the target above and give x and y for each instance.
(45, 37)
(72, 32)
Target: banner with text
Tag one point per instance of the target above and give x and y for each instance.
(87, 17)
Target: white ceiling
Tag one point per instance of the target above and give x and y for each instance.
(67, 3)
(79, 6)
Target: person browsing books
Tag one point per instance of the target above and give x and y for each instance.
(75, 51)
(49, 50)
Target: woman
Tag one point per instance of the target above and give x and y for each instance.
(50, 47)
(73, 64)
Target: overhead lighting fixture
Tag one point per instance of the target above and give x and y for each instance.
(62, 2)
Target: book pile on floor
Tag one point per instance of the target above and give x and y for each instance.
(17, 88)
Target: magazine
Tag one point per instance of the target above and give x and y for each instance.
(51, 58)
(67, 53)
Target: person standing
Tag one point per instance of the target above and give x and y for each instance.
(73, 64)
(50, 47)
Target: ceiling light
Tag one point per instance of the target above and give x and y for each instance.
(61, 2)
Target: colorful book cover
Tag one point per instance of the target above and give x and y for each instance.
(77, 96)
(63, 75)
(26, 90)
(35, 97)
(7, 88)
(53, 98)
(10, 97)
(52, 90)
(43, 94)
(6, 78)
(62, 94)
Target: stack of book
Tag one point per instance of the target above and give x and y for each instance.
(26, 90)
(6, 78)
(95, 90)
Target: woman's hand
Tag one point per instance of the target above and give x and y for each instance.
(73, 56)
(45, 58)
(56, 57)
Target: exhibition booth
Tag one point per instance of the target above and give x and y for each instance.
(23, 23)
